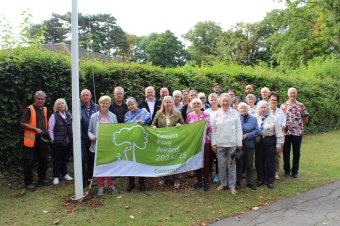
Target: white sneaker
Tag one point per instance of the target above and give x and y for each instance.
(68, 177)
(56, 180)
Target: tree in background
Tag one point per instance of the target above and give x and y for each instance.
(204, 38)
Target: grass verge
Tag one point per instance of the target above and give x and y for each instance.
(320, 164)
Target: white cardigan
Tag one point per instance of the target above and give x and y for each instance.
(226, 129)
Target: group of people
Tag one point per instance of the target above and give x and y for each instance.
(238, 129)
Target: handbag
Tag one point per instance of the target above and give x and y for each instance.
(237, 154)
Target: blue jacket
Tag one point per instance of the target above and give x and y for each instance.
(251, 128)
(85, 119)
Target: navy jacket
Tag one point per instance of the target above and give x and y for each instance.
(251, 128)
(85, 119)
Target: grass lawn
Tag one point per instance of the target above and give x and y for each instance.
(320, 164)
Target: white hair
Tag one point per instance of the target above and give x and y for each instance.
(55, 107)
(258, 108)
(40, 93)
(117, 89)
(241, 105)
(195, 100)
(177, 93)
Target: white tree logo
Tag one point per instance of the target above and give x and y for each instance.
(125, 137)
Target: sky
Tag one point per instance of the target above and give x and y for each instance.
(144, 17)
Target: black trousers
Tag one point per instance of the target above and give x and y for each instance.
(265, 155)
(87, 160)
(39, 153)
(60, 156)
(212, 160)
(246, 163)
(295, 142)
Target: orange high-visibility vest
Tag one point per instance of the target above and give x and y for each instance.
(29, 135)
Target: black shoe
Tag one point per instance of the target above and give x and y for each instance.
(259, 183)
(296, 176)
(198, 185)
(130, 187)
(30, 187)
(44, 182)
(237, 186)
(270, 186)
(142, 187)
(206, 187)
(251, 186)
(287, 174)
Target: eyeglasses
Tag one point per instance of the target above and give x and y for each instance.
(202, 97)
(196, 103)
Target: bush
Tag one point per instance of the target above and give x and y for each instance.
(24, 71)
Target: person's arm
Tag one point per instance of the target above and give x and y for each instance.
(91, 129)
(51, 124)
(155, 121)
(24, 122)
(238, 132)
(305, 120)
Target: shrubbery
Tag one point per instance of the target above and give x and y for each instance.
(24, 71)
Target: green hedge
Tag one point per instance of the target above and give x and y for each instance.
(24, 71)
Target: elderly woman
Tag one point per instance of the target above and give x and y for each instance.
(226, 137)
(177, 95)
(168, 116)
(281, 119)
(102, 116)
(213, 100)
(251, 100)
(60, 131)
(265, 93)
(250, 130)
(202, 174)
(267, 145)
(141, 116)
(203, 98)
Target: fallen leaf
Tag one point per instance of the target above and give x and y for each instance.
(45, 211)
(204, 224)
(176, 205)
(56, 221)
(23, 192)
(255, 208)
(166, 219)
(127, 207)
(260, 197)
(119, 196)
(132, 217)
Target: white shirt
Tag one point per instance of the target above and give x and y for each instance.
(151, 104)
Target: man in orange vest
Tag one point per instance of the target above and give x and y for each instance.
(34, 123)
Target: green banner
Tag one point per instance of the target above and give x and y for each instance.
(131, 149)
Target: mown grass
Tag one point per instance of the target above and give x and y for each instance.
(320, 164)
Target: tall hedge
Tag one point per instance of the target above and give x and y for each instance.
(24, 71)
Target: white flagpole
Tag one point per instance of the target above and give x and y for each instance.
(78, 183)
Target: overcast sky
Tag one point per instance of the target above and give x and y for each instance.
(144, 17)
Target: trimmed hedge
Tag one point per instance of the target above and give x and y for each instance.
(24, 71)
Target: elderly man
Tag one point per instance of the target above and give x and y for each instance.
(296, 118)
(163, 92)
(118, 105)
(35, 125)
(87, 108)
(151, 104)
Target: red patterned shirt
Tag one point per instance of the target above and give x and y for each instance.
(295, 115)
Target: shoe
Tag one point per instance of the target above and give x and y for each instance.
(221, 187)
(68, 177)
(206, 187)
(270, 186)
(237, 186)
(56, 180)
(100, 191)
(191, 174)
(198, 185)
(287, 174)
(296, 176)
(44, 182)
(216, 179)
(277, 177)
(130, 187)
(233, 191)
(251, 186)
(259, 183)
(177, 184)
(142, 187)
(30, 187)
(161, 182)
(113, 190)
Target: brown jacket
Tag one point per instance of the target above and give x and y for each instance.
(160, 122)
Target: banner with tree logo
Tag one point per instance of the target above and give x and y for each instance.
(130, 149)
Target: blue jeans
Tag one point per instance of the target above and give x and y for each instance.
(294, 141)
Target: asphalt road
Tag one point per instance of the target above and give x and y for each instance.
(320, 206)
